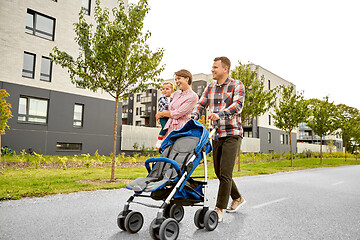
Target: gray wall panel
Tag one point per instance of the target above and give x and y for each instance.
(96, 133)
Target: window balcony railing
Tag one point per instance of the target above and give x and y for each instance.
(146, 99)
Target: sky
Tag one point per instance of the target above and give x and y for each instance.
(315, 44)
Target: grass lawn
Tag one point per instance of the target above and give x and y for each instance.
(19, 183)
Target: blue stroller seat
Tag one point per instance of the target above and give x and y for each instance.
(169, 180)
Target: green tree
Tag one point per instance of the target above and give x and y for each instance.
(291, 110)
(348, 120)
(258, 99)
(323, 119)
(115, 57)
(5, 115)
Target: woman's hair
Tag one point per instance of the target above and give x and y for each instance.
(186, 74)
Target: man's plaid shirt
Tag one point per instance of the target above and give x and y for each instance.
(164, 103)
(227, 100)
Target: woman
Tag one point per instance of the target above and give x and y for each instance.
(183, 103)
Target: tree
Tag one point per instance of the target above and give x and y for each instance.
(348, 120)
(5, 114)
(290, 111)
(258, 100)
(115, 57)
(323, 119)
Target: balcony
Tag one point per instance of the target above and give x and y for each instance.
(145, 100)
(145, 114)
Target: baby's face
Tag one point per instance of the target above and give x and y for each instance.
(167, 90)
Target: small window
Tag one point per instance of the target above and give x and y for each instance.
(40, 25)
(137, 111)
(269, 85)
(269, 119)
(62, 146)
(32, 110)
(287, 139)
(78, 115)
(138, 98)
(85, 6)
(46, 69)
(29, 65)
(269, 137)
(281, 138)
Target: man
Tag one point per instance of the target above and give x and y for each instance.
(225, 99)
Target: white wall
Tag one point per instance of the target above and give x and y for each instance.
(250, 145)
(142, 135)
(148, 136)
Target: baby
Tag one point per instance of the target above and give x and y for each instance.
(164, 102)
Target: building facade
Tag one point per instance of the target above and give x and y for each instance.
(50, 114)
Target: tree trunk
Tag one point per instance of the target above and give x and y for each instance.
(321, 150)
(239, 157)
(112, 178)
(345, 150)
(0, 153)
(291, 155)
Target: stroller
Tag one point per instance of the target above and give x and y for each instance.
(169, 180)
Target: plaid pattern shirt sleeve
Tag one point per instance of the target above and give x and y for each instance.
(163, 104)
(227, 101)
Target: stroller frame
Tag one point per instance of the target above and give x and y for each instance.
(171, 211)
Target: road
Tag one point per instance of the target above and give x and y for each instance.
(319, 203)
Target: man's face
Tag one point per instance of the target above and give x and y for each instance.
(167, 90)
(218, 71)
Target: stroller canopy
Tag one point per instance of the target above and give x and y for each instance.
(191, 128)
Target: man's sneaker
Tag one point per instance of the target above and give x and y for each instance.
(158, 144)
(236, 204)
(220, 214)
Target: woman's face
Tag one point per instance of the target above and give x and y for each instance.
(182, 83)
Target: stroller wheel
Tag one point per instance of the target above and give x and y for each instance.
(177, 212)
(199, 218)
(169, 229)
(155, 228)
(133, 222)
(121, 220)
(211, 220)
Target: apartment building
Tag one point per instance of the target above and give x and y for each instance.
(307, 135)
(50, 114)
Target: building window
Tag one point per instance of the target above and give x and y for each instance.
(138, 98)
(78, 115)
(85, 6)
(61, 146)
(269, 137)
(32, 110)
(281, 138)
(269, 119)
(138, 123)
(269, 85)
(287, 139)
(29, 65)
(46, 69)
(137, 111)
(248, 134)
(40, 25)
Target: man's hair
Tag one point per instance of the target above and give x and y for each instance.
(169, 83)
(186, 74)
(224, 61)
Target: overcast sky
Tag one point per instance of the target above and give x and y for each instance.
(314, 44)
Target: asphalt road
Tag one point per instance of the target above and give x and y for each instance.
(312, 204)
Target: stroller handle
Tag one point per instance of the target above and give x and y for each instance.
(216, 127)
(162, 159)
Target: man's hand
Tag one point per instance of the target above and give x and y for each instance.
(214, 117)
